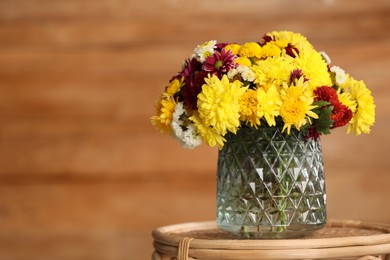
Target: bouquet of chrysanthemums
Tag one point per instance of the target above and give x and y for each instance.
(278, 81)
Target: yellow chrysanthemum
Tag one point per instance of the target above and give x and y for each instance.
(346, 99)
(173, 87)
(314, 68)
(218, 104)
(281, 43)
(270, 50)
(283, 38)
(269, 103)
(163, 118)
(208, 133)
(272, 71)
(250, 49)
(364, 117)
(243, 61)
(234, 48)
(248, 108)
(297, 105)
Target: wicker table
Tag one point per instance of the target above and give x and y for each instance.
(344, 239)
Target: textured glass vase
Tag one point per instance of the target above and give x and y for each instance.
(270, 184)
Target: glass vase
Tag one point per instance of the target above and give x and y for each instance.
(270, 184)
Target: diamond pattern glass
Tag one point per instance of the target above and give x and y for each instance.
(270, 184)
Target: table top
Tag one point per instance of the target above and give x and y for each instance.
(339, 238)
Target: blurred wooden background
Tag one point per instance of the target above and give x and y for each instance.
(83, 174)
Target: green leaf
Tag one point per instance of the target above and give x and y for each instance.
(324, 122)
(321, 103)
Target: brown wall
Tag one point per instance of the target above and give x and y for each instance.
(83, 174)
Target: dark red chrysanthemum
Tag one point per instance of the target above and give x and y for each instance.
(220, 63)
(266, 39)
(190, 68)
(291, 50)
(192, 87)
(327, 94)
(341, 114)
(313, 133)
(296, 74)
(220, 46)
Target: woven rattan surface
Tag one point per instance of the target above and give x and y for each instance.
(344, 239)
(328, 231)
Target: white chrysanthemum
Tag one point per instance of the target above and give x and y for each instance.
(340, 76)
(178, 112)
(205, 50)
(246, 73)
(326, 57)
(177, 131)
(176, 123)
(191, 138)
(183, 130)
(232, 73)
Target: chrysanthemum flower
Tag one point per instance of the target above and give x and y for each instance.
(297, 106)
(339, 75)
(364, 117)
(265, 39)
(291, 50)
(183, 130)
(191, 89)
(205, 50)
(295, 39)
(232, 73)
(296, 75)
(270, 50)
(246, 73)
(326, 93)
(207, 132)
(163, 118)
(190, 67)
(346, 99)
(233, 47)
(314, 68)
(220, 63)
(341, 114)
(250, 49)
(248, 108)
(193, 78)
(281, 43)
(243, 61)
(219, 46)
(313, 133)
(272, 71)
(269, 103)
(218, 104)
(173, 87)
(325, 57)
